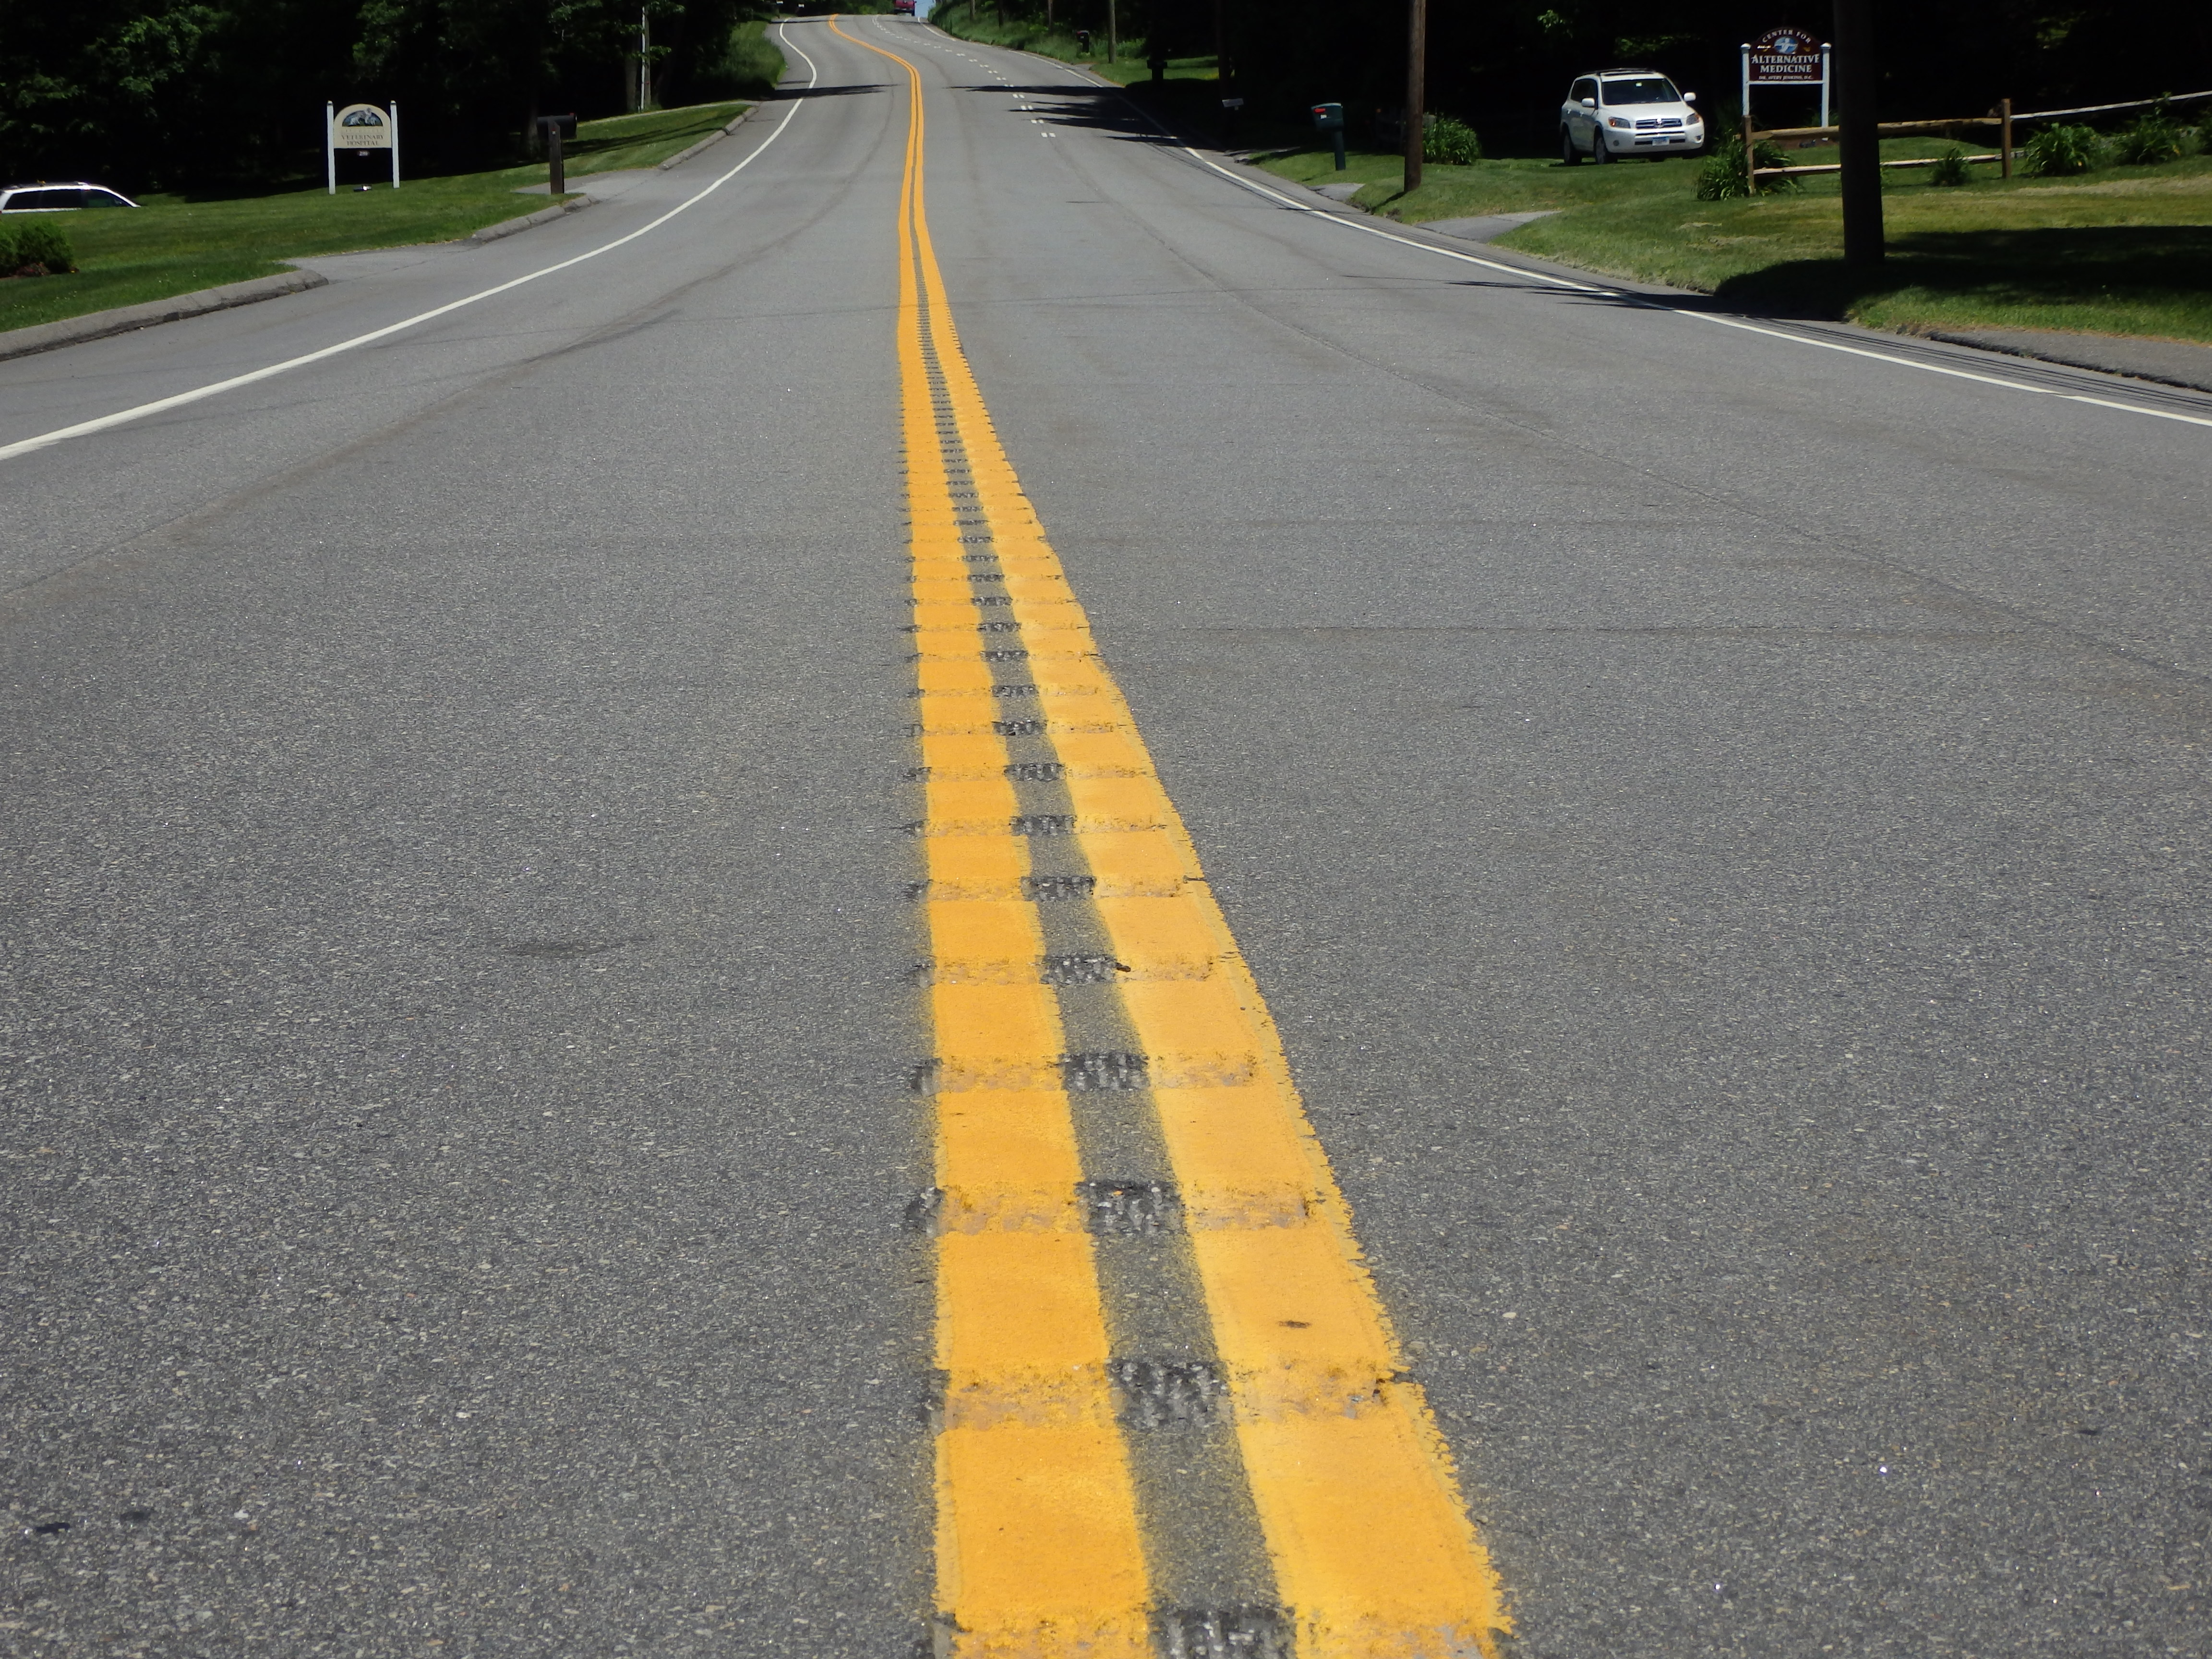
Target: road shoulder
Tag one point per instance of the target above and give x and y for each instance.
(125, 319)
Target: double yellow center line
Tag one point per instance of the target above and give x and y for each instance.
(1043, 1546)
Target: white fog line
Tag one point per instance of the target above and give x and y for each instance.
(1645, 300)
(1650, 303)
(123, 418)
(1931, 368)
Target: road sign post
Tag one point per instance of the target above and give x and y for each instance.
(359, 127)
(1785, 58)
(1779, 58)
(555, 131)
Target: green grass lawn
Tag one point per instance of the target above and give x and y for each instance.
(2118, 250)
(176, 245)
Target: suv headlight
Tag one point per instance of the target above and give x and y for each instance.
(1615, 121)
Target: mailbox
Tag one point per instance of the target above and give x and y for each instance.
(554, 131)
(1329, 118)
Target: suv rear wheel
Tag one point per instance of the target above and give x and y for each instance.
(1568, 153)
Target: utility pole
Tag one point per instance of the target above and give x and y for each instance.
(1224, 74)
(645, 58)
(1112, 31)
(1858, 93)
(1417, 61)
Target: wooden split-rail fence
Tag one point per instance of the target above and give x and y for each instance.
(2002, 118)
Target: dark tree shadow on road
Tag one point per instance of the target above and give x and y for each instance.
(787, 95)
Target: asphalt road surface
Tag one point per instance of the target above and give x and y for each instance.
(1716, 814)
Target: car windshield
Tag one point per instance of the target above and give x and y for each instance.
(1641, 89)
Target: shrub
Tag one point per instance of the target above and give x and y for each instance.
(2056, 151)
(1724, 178)
(1449, 142)
(34, 247)
(1950, 167)
(2154, 138)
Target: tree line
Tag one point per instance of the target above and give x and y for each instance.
(1504, 67)
(150, 93)
(174, 93)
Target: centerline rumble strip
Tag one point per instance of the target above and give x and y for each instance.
(1173, 1419)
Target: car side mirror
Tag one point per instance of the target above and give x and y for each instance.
(1590, 103)
(1689, 97)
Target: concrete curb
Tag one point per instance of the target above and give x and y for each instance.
(531, 220)
(2081, 357)
(2065, 358)
(125, 319)
(683, 155)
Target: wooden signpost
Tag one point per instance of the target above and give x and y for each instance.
(1781, 58)
(359, 126)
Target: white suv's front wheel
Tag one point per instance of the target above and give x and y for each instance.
(1599, 153)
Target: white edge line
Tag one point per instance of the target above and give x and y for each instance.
(1929, 368)
(1648, 301)
(121, 417)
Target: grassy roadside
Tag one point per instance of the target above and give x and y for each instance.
(2120, 250)
(176, 244)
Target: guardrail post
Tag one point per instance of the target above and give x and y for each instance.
(1750, 158)
(2004, 137)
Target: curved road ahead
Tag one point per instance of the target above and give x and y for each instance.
(961, 883)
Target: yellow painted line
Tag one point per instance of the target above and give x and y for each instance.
(1374, 1554)
(1039, 1554)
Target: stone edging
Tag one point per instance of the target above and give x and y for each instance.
(531, 220)
(123, 319)
(2079, 359)
(681, 156)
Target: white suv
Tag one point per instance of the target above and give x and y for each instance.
(1628, 111)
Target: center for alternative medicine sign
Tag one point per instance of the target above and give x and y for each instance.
(1786, 57)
